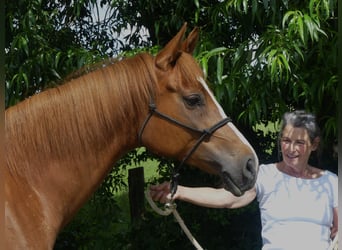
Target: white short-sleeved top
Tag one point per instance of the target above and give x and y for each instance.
(296, 213)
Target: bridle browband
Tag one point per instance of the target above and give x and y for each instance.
(205, 133)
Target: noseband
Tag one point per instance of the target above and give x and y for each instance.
(205, 133)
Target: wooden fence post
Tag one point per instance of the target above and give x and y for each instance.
(136, 193)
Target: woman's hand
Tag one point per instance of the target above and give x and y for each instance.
(161, 192)
(334, 228)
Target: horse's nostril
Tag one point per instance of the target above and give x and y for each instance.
(250, 170)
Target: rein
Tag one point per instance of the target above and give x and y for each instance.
(205, 133)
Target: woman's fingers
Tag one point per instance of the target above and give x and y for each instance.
(161, 192)
(163, 186)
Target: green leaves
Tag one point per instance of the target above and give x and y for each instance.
(323, 9)
(205, 56)
(277, 63)
(277, 55)
(42, 48)
(303, 26)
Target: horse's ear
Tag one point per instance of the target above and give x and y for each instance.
(190, 43)
(168, 56)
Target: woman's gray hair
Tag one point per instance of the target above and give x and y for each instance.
(301, 119)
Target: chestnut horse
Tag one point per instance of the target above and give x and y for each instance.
(62, 142)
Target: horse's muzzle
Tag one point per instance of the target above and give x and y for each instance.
(238, 184)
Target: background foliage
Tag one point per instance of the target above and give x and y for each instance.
(262, 58)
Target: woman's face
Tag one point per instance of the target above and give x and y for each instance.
(296, 146)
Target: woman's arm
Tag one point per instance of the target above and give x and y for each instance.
(202, 196)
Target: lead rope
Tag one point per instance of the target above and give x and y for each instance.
(170, 207)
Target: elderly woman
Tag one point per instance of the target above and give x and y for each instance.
(298, 202)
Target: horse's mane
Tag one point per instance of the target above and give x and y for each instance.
(50, 125)
(86, 69)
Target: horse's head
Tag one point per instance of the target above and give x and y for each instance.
(187, 123)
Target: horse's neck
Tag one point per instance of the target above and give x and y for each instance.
(101, 151)
(72, 160)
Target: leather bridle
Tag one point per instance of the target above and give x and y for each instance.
(205, 133)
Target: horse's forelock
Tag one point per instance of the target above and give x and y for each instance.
(189, 70)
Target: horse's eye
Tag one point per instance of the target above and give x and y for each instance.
(193, 100)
